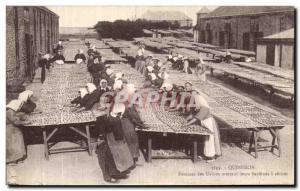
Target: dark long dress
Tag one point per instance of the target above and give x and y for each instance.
(114, 155)
(15, 146)
(129, 121)
(42, 64)
(95, 70)
(76, 100)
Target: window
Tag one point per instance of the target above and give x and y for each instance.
(17, 37)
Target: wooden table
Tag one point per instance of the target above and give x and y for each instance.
(271, 82)
(49, 131)
(237, 113)
(60, 87)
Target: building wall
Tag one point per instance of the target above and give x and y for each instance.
(287, 56)
(277, 55)
(261, 53)
(27, 24)
(283, 54)
(268, 24)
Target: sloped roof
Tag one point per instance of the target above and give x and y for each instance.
(165, 15)
(287, 34)
(203, 10)
(226, 11)
(147, 31)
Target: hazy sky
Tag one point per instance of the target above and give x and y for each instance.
(88, 16)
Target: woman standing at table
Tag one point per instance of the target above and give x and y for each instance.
(15, 146)
(114, 155)
(96, 69)
(200, 114)
(129, 121)
(200, 70)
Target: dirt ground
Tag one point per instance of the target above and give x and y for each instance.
(235, 166)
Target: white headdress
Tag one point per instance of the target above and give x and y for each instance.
(109, 71)
(83, 92)
(91, 87)
(15, 104)
(150, 68)
(118, 84)
(153, 76)
(25, 95)
(167, 86)
(119, 75)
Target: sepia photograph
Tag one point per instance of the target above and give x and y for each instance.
(150, 95)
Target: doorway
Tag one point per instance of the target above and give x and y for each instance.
(270, 54)
(246, 41)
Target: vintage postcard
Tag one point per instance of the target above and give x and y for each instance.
(150, 95)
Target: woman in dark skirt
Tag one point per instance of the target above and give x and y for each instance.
(130, 120)
(114, 155)
(15, 145)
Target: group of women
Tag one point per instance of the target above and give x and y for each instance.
(194, 106)
(119, 151)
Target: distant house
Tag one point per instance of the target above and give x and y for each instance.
(277, 50)
(200, 14)
(170, 16)
(240, 27)
(147, 33)
(77, 33)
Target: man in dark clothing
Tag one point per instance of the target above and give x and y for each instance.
(42, 63)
